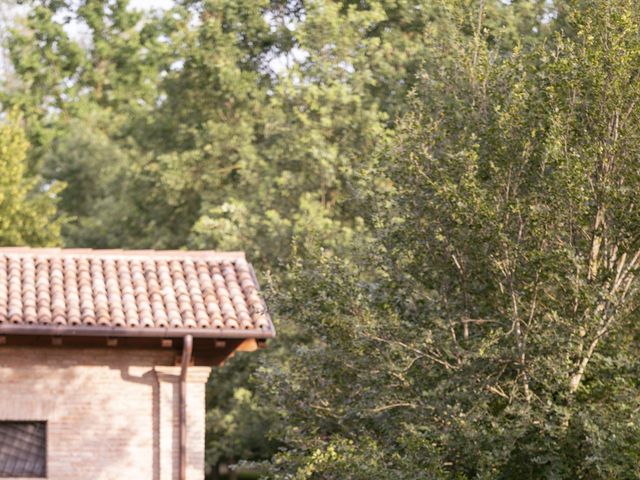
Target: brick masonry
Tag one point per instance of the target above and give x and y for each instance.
(111, 414)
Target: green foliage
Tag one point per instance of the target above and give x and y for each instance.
(82, 99)
(27, 208)
(237, 421)
(442, 191)
(472, 340)
(94, 169)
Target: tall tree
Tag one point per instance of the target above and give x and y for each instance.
(232, 124)
(491, 332)
(88, 73)
(266, 123)
(27, 207)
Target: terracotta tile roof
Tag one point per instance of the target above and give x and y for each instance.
(210, 293)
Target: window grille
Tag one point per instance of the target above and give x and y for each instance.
(23, 449)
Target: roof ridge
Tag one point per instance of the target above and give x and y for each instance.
(106, 253)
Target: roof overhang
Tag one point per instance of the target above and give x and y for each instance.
(160, 333)
(208, 349)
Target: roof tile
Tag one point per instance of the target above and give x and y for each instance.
(130, 289)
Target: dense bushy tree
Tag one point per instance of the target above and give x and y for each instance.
(85, 74)
(244, 125)
(491, 331)
(271, 108)
(231, 124)
(27, 207)
(324, 120)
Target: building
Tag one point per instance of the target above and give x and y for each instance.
(104, 356)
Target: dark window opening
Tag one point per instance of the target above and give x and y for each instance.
(23, 449)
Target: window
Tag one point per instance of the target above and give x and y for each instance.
(23, 449)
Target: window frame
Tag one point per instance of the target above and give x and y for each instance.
(45, 446)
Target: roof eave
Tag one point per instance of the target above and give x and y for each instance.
(99, 331)
(272, 327)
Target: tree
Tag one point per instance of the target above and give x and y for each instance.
(490, 332)
(245, 156)
(81, 97)
(27, 208)
(232, 125)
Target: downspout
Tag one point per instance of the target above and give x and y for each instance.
(187, 350)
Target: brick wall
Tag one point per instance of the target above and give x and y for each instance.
(111, 414)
